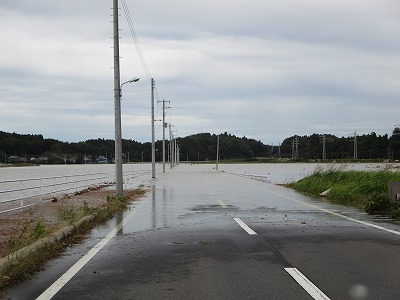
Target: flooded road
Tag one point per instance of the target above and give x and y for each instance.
(203, 234)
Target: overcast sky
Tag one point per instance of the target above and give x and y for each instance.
(264, 69)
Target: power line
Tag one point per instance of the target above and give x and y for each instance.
(135, 39)
(137, 44)
(140, 53)
(138, 48)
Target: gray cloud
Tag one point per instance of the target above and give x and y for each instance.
(264, 69)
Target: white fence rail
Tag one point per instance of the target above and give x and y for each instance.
(17, 194)
(265, 178)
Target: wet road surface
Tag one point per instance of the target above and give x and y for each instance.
(202, 234)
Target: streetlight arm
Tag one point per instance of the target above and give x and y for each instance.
(136, 79)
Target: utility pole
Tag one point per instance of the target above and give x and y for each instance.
(174, 150)
(117, 105)
(355, 144)
(176, 153)
(295, 147)
(164, 125)
(153, 146)
(279, 150)
(170, 146)
(323, 147)
(216, 167)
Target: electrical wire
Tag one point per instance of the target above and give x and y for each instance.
(141, 56)
(137, 44)
(135, 39)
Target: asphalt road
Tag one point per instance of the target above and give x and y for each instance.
(211, 235)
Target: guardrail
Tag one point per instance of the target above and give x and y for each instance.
(22, 193)
(264, 178)
(17, 194)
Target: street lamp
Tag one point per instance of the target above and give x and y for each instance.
(135, 79)
(118, 143)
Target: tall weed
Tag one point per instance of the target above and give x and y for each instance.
(367, 190)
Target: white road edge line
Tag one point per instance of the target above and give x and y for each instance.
(340, 215)
(306, 284)
(63, 280)
(245, 227)
(223, 205)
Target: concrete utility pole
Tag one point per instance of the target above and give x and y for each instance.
(279, 150)
(176, 153)
(172, 150)
(117, 105)
(216, 167)
(355, 145)
(295, 147)
(323, 147)
(153, 146)
(163, 136)
(164, 126)
(170, 146)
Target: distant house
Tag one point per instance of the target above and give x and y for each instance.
(17, 159)
(12, 159)
(42, 159)
(101, 159)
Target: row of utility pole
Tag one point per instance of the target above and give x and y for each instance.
(173, 151)
(295, 146)
(173, 146)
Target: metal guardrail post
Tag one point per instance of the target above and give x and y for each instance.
(22, 193)
(54, 186)
(40, 189)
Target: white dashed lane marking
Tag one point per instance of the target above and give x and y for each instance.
(306, 284)
(245, 227)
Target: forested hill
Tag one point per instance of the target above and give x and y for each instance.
(203, 146)
(27, 147)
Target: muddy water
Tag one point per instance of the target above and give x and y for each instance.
(18, 173)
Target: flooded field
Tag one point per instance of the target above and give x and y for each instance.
(18, 173)
(280, 173)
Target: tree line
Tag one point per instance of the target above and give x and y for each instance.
(367, 146)
(200, 147)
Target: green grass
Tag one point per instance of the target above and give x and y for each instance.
(367, 190)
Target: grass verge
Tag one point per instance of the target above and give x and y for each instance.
(367, 190)
(21, 267)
